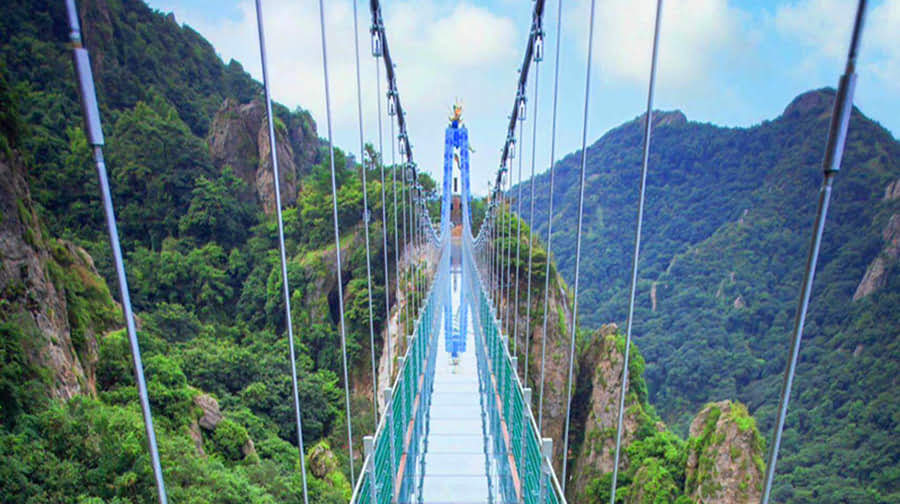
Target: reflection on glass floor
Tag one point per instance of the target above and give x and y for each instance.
(455, 461)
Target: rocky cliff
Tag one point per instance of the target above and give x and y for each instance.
(877, 272)
(725, 456)
(239, 138)
(602, 381)
(720, 460)
(50, 290)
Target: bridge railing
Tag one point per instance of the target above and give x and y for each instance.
(534, 481)
(391, 451)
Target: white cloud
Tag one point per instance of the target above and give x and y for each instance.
(442, 51)
(823, 27)
(695, 36)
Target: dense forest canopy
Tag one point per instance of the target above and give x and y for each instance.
(201, 258)
(727, 222)
(726, 232)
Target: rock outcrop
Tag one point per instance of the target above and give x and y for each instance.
(724, 456)
(211, 415)
(556, 366)
(664, 118)
(50, 289)
(603, 363)
(892, 191)
(876, 273)
(239, 138)
(816, 102)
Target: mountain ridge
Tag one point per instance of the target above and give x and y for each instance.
(726, 228)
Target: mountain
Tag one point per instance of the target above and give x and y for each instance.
(727, 225)
(190, 170)
(720, 460)
(191, 176)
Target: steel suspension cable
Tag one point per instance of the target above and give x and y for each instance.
(281, 248)
(365, 190)
(509, 244)
(417, 235)
(834, 150)
(412, 240)
(337, 237)
(504, 263)
(401, 307)
(515, 304)
(384, 223)
(94, 133)
(404, 255)
(492, 213)
(498, 248)
(498, 277)
(587, 95)
(550, 215)
(493, 246)
(534, 117)
(648, 128)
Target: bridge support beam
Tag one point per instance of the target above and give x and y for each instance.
(546, 454)
(389, 425)
(526, 417)
(369, 453)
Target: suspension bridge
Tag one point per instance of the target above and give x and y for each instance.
(456, 422)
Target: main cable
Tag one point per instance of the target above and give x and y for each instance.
(648, 128)
(337, 238)
(587, 94)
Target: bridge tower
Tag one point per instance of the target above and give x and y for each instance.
(455, 220)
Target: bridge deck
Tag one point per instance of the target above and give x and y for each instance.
(456, 464)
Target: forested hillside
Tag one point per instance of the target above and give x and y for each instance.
(187, 150)
(728, 220)
(191, 176)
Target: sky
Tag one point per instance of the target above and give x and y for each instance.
(729, 62)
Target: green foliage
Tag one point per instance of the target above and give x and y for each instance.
(154, 160)
(167, 387)
(10, 122)
(229, 439)
(88, 300)
(215, 213)
(726, 232)
(202, 265)
(22, 384)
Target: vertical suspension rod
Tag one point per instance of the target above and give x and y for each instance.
(834, 151)
(648, 128)
(534, 118)
(365, 191)
(384, 224)
(515, 303)
(337, 238)
(94, 133)
(587, 95)
(550, 215)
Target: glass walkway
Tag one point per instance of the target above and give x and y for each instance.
(458, 426)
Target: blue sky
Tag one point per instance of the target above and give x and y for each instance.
(728, 62)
